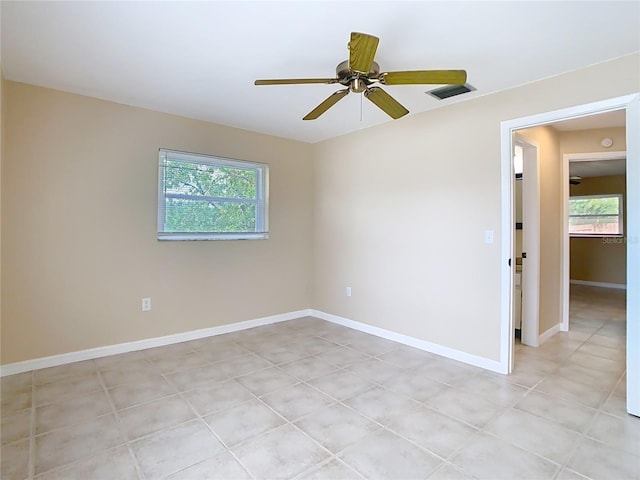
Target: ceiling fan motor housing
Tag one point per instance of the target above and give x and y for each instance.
(356, 81)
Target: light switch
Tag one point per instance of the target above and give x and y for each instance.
(488, 236)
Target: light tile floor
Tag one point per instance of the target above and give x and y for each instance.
(308, 399)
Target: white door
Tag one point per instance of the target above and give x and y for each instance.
(530, 279)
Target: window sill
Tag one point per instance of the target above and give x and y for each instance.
(211, 236)
(600, 235)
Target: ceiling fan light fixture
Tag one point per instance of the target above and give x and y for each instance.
(450, 91)
(357, 85)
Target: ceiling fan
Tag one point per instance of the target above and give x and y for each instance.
(360, 72)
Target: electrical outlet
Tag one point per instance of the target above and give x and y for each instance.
(347, 291)
(146, 304)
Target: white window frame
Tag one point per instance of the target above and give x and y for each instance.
(261, 201)
(619, 215)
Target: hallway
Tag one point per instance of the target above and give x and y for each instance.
(579, 381)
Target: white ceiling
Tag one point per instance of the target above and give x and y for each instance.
(616, 118)
(590, 167)
(598, 168)
(199, 59)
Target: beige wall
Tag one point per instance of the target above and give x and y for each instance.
(401, 211)
(600, 259)
(79, 248)
(549, 175)
(588, 141)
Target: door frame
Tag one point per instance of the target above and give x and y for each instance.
(630, 103)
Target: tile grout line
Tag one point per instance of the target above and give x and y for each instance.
(579, 436)
(380, 425)
(114, 411)
(287, 422)
(375, 383)
(612, 394)
(332, 458)
(291, 423)
(32, 428)
(298, 381)
(442, 459)
(582, 433)
(201, 418)
(451, 465)
(477, 430)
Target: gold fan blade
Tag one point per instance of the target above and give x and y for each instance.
(293, 81)
(386, 102)
(362, 49)
(445, 77)
(326, 105)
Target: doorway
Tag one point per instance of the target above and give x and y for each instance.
(617, 166)
(631, 105)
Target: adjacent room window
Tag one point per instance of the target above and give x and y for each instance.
(201, 197)
(518, 160)
(595, 216)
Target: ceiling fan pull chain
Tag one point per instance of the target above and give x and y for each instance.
(361, 107)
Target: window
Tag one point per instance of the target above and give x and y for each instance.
(201, 197)
(518, 159)
(595, 216)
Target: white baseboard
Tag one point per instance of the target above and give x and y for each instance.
(619, 286)
(89, 354)
(55, 360)
(447, 352)
(549, 333)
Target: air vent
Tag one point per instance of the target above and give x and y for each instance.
(450, 91)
